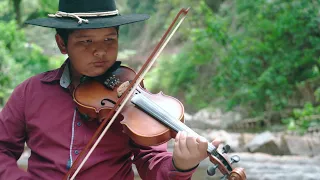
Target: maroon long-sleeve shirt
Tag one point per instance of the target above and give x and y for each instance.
(40, 112)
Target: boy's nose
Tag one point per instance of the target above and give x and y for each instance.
(99, 53)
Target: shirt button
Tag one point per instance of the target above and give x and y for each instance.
(76, 152)
(79, 124)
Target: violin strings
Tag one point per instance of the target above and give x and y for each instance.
(162, 115)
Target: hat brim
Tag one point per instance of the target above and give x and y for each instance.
(94, 23)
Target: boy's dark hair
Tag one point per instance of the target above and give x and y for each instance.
(64, 33)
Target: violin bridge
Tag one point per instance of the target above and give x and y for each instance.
(122, 88)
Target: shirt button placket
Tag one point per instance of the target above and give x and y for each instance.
(79, 124)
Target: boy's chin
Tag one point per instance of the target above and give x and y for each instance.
(95, 74)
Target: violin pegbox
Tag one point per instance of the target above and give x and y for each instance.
(111, 82)
(221, 162)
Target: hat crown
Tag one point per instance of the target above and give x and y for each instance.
(82, 6)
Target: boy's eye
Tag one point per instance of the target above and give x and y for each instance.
(109, 39)
(86, 41)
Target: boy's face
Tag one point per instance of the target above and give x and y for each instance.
(92, 51)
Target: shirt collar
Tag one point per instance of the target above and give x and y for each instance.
(61, 75)
(65, 79)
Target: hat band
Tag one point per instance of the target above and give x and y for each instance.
(78, 16)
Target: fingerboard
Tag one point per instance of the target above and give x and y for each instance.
(154, 110)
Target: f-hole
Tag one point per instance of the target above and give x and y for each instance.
(109, 100)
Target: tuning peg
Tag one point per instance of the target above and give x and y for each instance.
(224, 177)
(212, 170)
(235, 159)
(226, 149)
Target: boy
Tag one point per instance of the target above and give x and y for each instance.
(41, 111)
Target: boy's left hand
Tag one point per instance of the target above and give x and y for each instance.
(189, 151)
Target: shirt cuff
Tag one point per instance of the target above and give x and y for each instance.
(180, 170)
(177, 174)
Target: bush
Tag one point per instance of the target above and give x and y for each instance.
(19, 59)
(253, 54)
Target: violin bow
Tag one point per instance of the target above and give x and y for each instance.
(114, 112)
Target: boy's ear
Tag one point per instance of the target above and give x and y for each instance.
(61, 44)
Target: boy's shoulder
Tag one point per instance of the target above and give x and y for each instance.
(46, 77)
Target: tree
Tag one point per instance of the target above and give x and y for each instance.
(214, 5)
(17, 10)
(258, 55)
(20, 60)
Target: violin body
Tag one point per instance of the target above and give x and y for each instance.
(94, 101)
(145, 129)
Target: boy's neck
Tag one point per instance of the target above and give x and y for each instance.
(74, 76)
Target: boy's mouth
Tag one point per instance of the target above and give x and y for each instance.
(99, 63)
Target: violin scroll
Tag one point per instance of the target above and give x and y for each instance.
(237, 174)
(220, 162)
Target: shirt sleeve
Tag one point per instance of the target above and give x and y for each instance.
(12, 137)
(155, 162)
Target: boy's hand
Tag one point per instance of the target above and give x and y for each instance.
(189, 151)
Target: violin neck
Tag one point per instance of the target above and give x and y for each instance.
(165, 118)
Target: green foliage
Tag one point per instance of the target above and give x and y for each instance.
(251, 54)
(5, 13)
(303, 118)
(185, 75)
(130, 36)
(19, 59)
(147, 7)
(39, 8)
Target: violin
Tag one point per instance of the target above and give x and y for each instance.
(122, 95)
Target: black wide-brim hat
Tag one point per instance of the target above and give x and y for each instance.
(87, 14)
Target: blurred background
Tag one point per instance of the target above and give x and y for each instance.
(247, 71)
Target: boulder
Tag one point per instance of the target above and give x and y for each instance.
(264, 143)
(296, 145)
(229, 119)
(204, 119)
(314, 143)
(244, 139)
(232, 139)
